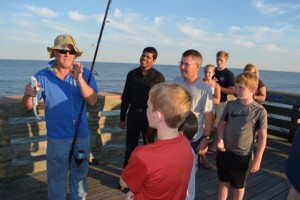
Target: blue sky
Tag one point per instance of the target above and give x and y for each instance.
(262, 32)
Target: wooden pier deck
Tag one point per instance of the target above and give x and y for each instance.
(269, 183)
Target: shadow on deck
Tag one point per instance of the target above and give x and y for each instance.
(269, 183)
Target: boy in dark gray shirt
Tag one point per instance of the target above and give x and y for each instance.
(235, 137)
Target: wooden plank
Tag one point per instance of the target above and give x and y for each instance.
(279, 123)
(18, 170)
(106, 102)
(283, 97)
(24, 151)
(277, 133)
(11, 106)
(22, 130)
(105, 122)
(282, 111)
(13, 111)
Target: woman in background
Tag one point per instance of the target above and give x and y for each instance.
(261, 93)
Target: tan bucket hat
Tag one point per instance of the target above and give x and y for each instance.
(61, 42)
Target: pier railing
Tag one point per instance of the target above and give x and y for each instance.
(283, 113)
(23, 138)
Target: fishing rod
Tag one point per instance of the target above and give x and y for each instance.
(81, 156)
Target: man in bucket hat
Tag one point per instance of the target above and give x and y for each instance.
(65, 87)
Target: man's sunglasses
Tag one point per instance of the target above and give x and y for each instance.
(71, 52)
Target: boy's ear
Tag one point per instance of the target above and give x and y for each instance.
(252, 90)
(159, 117)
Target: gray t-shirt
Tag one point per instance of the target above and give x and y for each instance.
(242, 120)
(201, 103)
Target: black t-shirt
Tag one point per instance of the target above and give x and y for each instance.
(225, 79)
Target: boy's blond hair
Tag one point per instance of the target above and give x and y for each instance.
(250, 80)
(173, 101)
(222, 54)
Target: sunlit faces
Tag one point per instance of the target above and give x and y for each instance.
(188, 68)
(209, 73)
(147, 60)
(242, 92)
(221, 62)
(65, 60)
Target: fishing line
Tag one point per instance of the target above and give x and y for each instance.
(83, 102)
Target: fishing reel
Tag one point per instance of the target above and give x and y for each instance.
(79, 157)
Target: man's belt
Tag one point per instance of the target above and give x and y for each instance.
(139, 109)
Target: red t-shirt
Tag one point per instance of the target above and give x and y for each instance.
(160, 170)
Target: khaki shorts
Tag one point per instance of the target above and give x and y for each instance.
(219, 111)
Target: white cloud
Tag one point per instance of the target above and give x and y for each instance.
(62, 28)
(263, 33)
(132, 27)
(122, 27)
(22, 15)
(234, 28)
(30, 37)
(44, 12)
(190, 30)
(199, 35)
(75, 15)
(274, 48)
(23, 19)
(244, 42)
(24, 23)
(117, 13)
(277, 9)
(157, 21)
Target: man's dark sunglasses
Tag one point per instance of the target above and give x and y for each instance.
(71, 52)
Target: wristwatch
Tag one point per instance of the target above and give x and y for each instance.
(206, 137)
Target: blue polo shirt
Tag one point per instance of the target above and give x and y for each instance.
(63, 101)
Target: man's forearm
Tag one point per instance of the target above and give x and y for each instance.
(207, 123)
(27, 102)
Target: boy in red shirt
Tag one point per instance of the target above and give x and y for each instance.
(162, 170)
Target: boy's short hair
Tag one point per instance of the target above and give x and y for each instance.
(222, 54)
(190, 126)
(250, 80)
(173, 101)
(196, 55)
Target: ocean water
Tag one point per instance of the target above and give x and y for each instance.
(14, 74)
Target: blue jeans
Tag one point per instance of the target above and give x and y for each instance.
(57, 158)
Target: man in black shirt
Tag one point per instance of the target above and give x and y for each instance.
(135, 96)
